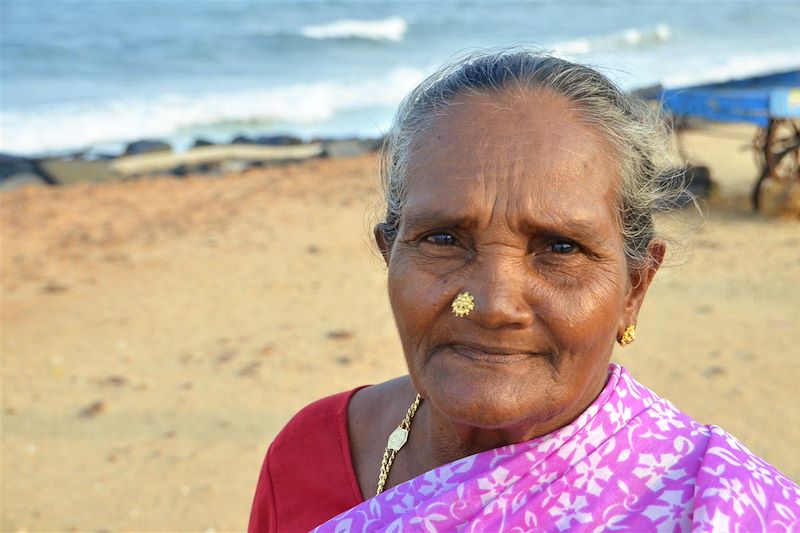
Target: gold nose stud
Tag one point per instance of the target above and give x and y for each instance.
(463, 304)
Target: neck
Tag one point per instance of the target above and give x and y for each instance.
(446, 441)
(441, 440)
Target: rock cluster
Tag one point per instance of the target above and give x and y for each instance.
(147, 157)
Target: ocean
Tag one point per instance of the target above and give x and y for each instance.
(93, 74)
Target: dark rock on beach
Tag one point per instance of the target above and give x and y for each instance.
(181, 171)
(11, 165)
(147, 146)
(278, 140)
(22, 179)
(268, 140)
(16, 171)
(101, 156)
(150, 157)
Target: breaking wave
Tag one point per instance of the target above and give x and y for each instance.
(388, 29)
(81, 125)
(629, 38)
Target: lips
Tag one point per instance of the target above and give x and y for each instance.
(491, 354)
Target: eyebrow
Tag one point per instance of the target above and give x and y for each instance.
(434, 218)
(560, 226)
(437, 218)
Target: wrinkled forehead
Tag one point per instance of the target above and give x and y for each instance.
(514, 123)
(535, 151)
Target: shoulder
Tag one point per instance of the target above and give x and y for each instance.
(736, 486)
(719, 483)
(309, 461)
(316, 420)
(731, 486)
(317, 433)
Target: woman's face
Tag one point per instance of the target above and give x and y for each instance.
(512, 200)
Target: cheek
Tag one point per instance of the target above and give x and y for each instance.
(416, 300)
(585, 314)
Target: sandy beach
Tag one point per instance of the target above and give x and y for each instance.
(158, 333)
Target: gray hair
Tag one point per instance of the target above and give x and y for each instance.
(635, 132)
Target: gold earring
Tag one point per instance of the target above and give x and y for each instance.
(628, 336)
(463, 304)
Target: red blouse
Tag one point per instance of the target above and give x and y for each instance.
(307, 477)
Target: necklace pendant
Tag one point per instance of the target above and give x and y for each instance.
(397, 439)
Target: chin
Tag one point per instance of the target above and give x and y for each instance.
(493, 400)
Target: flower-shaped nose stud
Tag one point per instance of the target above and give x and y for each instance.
(463, 304)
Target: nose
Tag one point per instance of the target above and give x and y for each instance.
(502, 299)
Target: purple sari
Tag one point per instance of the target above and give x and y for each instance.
(630, 462)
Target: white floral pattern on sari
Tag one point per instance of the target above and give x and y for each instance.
(631, 462)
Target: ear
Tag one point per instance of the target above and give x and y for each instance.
(640, 279)
(380, 232)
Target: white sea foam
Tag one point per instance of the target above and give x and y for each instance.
(573, 48)
(742, 65)
(628, 38)
(663, 33)
(81, 125)
(388, 29)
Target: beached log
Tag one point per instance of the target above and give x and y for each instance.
(205, 155)
(348, 147)
(68, 171)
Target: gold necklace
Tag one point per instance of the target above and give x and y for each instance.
(396, 441)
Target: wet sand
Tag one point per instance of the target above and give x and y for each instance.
(156, 334)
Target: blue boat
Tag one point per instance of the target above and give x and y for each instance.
(771, 102)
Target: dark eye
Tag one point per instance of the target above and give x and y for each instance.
(441, 239)
(563, 247)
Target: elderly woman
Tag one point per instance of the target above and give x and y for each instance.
(520, 245)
